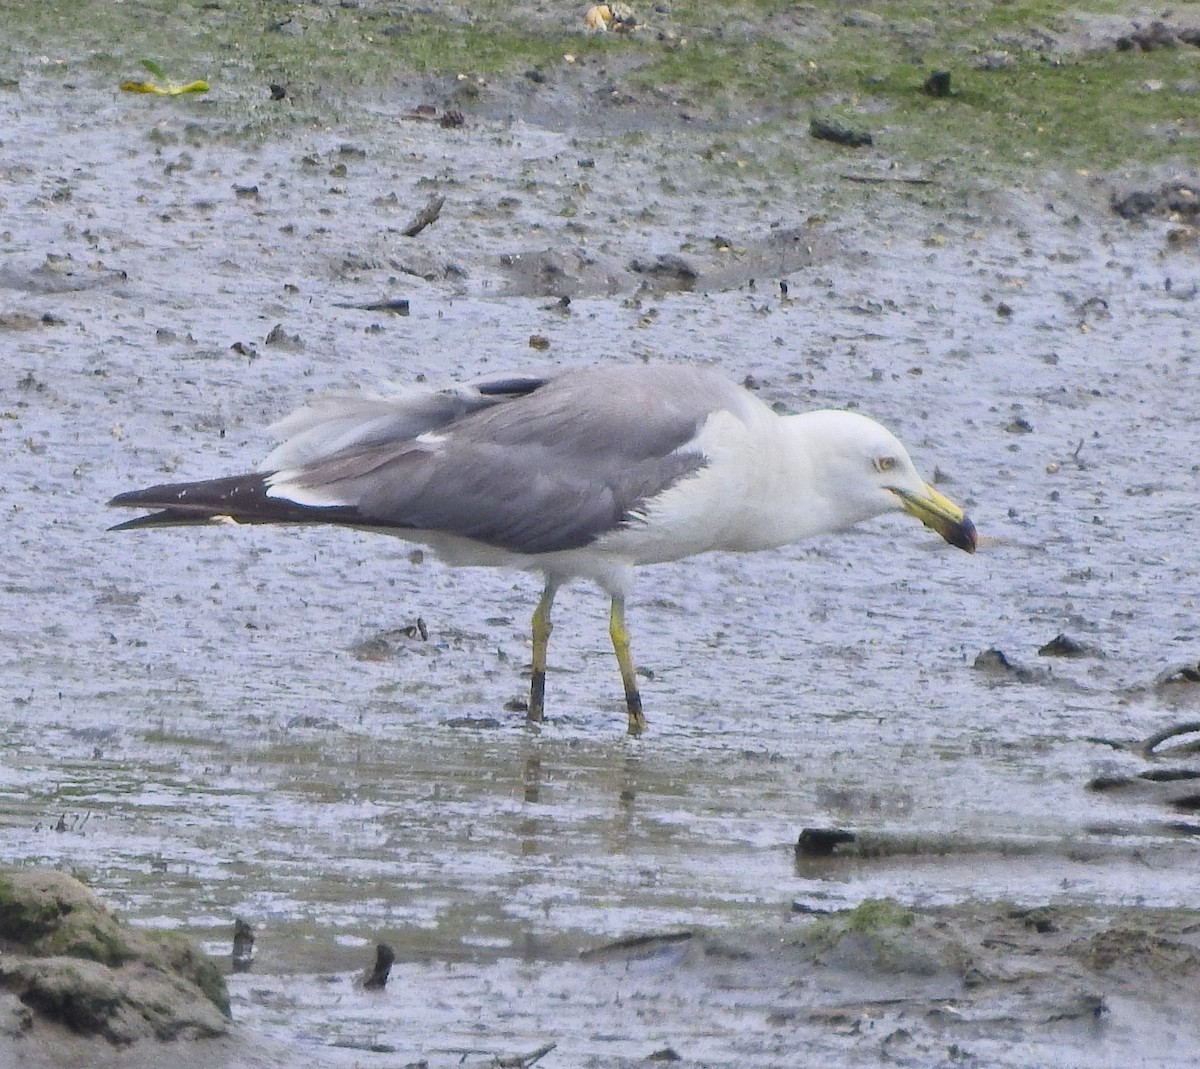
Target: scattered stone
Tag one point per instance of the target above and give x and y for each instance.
(20, 321)
(280, 337)
(15, 1017)
(539, 342)
(1063, 645)
(278, 92)
(937, 84)
(998, 60)
(1180, 675)
(1157, 35)
(668, 271)
(1179, 201)
(996, 663)
(839, 135)
(479, 723)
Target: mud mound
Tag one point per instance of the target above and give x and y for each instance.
(67, 959)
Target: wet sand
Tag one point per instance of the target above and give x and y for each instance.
(194, 726)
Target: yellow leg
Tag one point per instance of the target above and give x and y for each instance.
(541, 642)
(620, 641)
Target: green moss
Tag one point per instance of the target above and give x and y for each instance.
(749, 60)
(24, 917)
(876, 914)
(184, 957)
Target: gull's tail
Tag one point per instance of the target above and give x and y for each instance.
(238, 499)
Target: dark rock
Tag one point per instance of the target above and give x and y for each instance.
(279, 336)
(667, 268)
(822, 842)
(1064, 646)
(1135, 205)
(996, 663)
(1177, 200)
(937, 84)
(1180, 675)
(839, 135)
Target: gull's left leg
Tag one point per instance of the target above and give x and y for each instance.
(541, 643)
(620, 640)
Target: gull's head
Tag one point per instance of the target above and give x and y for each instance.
(866, 471)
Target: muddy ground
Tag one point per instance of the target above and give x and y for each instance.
(218, 724)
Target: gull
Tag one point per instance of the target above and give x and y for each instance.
(576, 474)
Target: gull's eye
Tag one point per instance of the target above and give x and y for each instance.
(883, 464)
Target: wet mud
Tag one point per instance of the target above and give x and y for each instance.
(250, 724)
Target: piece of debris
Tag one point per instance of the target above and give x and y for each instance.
(449, 119)
(839, 135)
(164, 87)
(277, 91)
(424, 217)
(396, 305)
(612, 17)
(243, 945)
(539, 342)
(386, 644)
(522, 1061)
(644, 943)
(377, 978)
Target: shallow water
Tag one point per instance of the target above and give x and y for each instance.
(188, 724)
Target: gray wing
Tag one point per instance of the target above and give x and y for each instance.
(548, 469)
(338, 422)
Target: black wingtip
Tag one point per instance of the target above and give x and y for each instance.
(166, 518)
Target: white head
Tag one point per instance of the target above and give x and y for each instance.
(862, 470)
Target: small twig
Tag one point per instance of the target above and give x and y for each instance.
(1147, 747)
(888, 179)
(523, 1061)
(424, 217)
